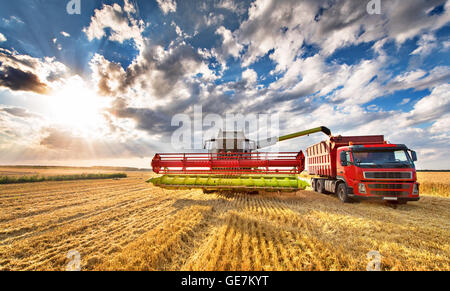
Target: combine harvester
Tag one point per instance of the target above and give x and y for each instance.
(234, 164)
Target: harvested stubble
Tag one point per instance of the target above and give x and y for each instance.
(130, 225)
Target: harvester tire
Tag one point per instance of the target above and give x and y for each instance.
(209, 191)
(320, 184)
(342, 193)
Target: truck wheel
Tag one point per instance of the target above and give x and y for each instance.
(314, 184)
(321, 186)
(342, 193)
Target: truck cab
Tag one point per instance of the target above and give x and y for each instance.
(364, 168)
(384, 172)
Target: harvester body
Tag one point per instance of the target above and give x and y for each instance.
(233, 164)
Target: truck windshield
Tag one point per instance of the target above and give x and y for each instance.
(382, 159)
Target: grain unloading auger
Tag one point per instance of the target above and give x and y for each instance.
(233, 163)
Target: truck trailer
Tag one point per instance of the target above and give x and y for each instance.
(363, 168)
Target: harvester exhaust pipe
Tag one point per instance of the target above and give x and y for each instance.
(273, 140)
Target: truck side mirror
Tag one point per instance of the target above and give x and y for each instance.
(414, 156)
(343, 157)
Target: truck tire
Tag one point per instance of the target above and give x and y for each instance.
(321, 186)
(342, 193)
(314, 184)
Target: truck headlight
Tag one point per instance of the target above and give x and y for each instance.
(362, 188)
(416, 189)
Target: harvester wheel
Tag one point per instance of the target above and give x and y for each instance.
(208, 191)
(320, 184)
(342, 193)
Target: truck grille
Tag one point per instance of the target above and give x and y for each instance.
(389, 186)
(388, 175)
(390, 193)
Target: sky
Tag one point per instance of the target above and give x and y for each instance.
(102, 87)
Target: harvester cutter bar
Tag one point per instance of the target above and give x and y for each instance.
(244, 182)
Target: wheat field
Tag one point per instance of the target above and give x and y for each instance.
(128, 224)
(434, 183)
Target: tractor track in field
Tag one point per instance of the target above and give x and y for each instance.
(128, 224)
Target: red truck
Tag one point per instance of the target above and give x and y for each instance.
(364, 167)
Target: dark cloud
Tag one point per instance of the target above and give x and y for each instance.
(177, 63)
(8, 59)
(58, 139)
(18, 80)
(151, 120)
(19, 112)
(66, 145)
(340, 15)
(107, 73)
(156, 70)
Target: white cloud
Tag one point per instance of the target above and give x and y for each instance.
(405, 101)
(285, 26)
(427, 44)
(55, 42)
(250, 76)
(158, 76)
(420, 79)
(407, 21)
(446, 45)
(230, 46)
(234, 6)
(433, 106)
(129, 7)
(12, 20)
(123, 26)
(373, 107)
(167, 5)
(65, 34)
(2, 38)
(178, 30)
(19, 127)
(442, 125)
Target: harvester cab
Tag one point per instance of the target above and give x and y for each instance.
(233, 163)
(230, 142)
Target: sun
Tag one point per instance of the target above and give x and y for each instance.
(76, 106)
